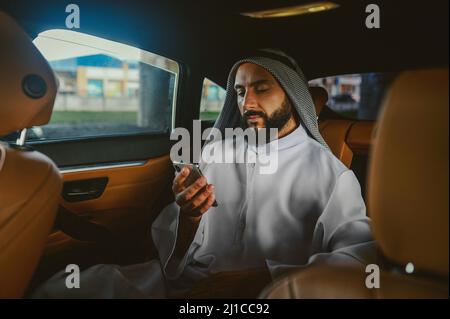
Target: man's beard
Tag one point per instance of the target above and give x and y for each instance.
(277, 120)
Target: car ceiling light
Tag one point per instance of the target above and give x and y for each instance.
(292, 11)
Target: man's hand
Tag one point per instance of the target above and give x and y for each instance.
(194, 199)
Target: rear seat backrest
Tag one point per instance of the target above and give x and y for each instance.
(360, 136)
(349, 140)
(319, 96)
(335, 134)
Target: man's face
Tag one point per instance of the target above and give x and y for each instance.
(261, 100)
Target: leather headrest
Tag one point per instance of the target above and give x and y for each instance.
(408, 183)
(319, 96)
(27, 83)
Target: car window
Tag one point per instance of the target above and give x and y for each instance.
(105, 88)
(213, 97)
(356, 96)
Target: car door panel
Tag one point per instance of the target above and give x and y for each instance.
(128, 198)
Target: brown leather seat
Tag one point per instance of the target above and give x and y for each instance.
(408, 201)
(319, 96)
(335, 133)
(30, 183)
(347, 138)
(360, 137)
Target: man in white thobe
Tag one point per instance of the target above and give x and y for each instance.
(310, 209)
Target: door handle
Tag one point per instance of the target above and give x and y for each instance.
(81, 190)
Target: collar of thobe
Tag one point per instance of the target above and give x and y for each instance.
(294, 138)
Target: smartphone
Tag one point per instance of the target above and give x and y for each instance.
(193, 176)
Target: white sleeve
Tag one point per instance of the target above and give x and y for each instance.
(164, 234)
(343, 222)
(342, 234)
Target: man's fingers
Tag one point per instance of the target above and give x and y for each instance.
(187, 194)
(179, 179)
(193, 189)
(207, 204)
(193, 206)
(201, 197)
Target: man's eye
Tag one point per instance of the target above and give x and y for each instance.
(262, 89)
(240, 93)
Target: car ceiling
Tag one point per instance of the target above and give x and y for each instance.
(211, 35)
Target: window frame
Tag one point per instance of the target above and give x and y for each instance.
(126, 148)
(201, 95)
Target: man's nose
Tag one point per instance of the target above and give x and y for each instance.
(249, 100)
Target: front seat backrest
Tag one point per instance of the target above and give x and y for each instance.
(408, 178)
(30, 183)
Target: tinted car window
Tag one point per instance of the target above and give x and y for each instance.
(356, 96)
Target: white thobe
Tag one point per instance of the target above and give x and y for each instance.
(309, 209)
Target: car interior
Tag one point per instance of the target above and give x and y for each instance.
(76, 191)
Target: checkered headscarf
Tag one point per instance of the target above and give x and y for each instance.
(291, 78)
